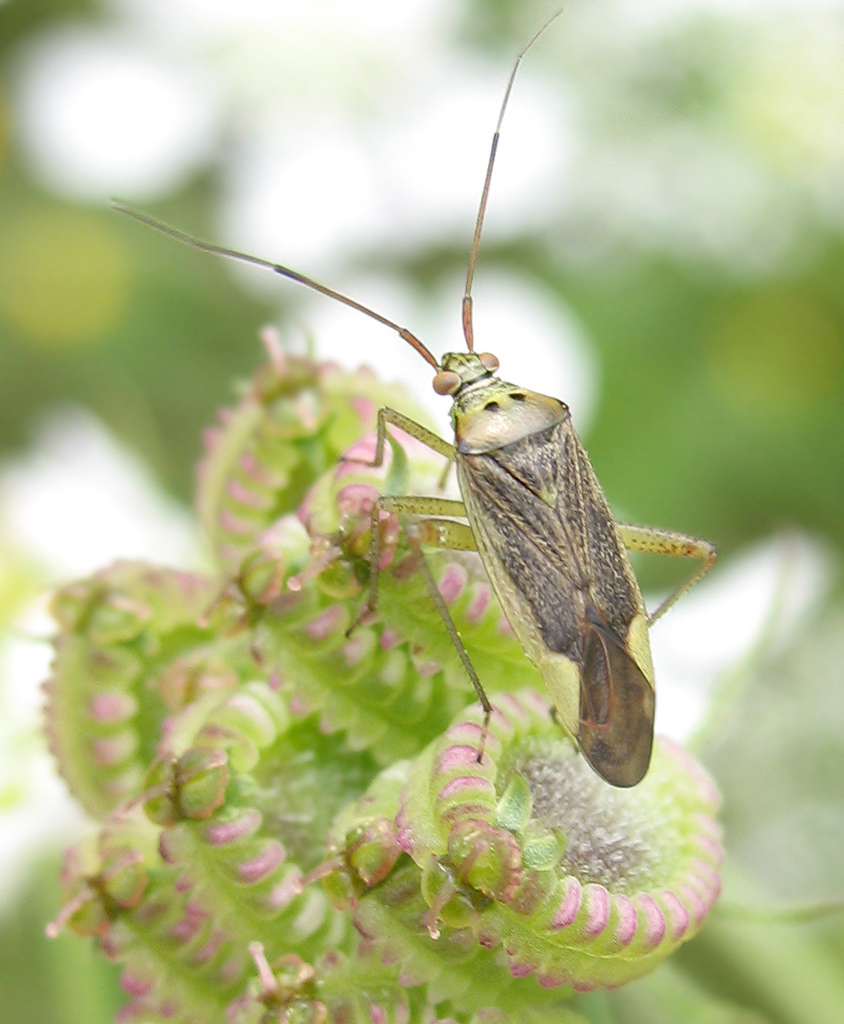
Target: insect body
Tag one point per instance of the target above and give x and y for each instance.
(537, 516)
(554, 557)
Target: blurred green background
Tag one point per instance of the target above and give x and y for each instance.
(670, 193)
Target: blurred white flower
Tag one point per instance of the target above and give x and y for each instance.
(98, 115)
(80, 500)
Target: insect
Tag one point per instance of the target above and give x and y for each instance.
(534, 511)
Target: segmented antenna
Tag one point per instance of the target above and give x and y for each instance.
(308, 282)
(468, 333)
(277, 268)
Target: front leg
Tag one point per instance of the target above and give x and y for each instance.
(443, 533)
(411, 427)
(436, 532)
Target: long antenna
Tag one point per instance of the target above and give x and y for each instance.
(468, 332)
(277, 268)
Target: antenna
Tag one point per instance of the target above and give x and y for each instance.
(277, 268)
(468, 333)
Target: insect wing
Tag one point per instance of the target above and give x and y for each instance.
(616, 728)
(550, 547)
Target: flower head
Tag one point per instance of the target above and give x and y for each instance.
(243, 735)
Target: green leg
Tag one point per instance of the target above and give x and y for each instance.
(440, 533)
(411, 427)
(446, 470)
(652, 541)
(419, 506)
(448, 622)
(436, 532)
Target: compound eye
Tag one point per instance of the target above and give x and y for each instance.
(446, 382)
(489, 361)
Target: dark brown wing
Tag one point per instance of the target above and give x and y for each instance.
(616, 709)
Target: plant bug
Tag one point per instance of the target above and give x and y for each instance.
(534, 511)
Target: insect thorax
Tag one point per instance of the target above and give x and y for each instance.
(489, 413)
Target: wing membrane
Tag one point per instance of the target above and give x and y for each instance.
(616, 710)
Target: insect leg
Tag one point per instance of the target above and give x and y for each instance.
(411, 427)
(412, 505)
(653, 541)
(441, 533)
(445, 533)
(446, 470)
(464, 541)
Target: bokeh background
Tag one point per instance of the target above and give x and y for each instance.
(664, 250)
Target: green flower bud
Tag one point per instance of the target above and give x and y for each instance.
(133, 643)
(192, 786)
(202, 776)
(103, 877)
(291, 425)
